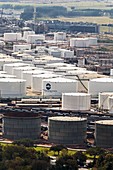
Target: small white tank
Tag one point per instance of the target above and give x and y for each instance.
(76, 101)
(21, 47)
(12, 36)
(18, 71)
(104, 100)
(9, 67)
(27, 75)
(12, 87)
(26, 33)
(34, 39)
(100, 85)
(38, 79)
(59, 36)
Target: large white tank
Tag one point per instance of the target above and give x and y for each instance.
(7, 61)
(12, 36)
(27, 75)
(18, 71)
(76, 101)
(9, 67)
(59, 85)
(104, 100)
(66, 53)
(59, 36)
(100, 85)
(34, 39)
(21, 47)
(26, 33)
(12, 87)
(38, 79)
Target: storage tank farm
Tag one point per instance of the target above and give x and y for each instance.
(104, 133)
(67, 130)
(20, 125)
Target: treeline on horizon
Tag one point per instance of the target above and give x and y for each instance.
(56, 11)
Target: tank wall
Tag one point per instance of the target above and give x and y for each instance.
(104, 135)
(64, 132)
(19, 128)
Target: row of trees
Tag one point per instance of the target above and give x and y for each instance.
(22, 155)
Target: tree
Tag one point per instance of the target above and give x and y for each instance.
(24, 142)
(80, 158)
(57, 148)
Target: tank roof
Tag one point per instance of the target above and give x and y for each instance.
(107, 79)
(76, 94)
(11, 80)
(66, 118)
(105, 122)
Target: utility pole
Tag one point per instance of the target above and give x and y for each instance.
(34, 15)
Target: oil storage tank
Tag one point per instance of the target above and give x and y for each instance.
(104, 100)
(12, 87)
(21, 125)
(57, 86)
(100, 85)
(12, 36)
(67, 130)
(104, 133)
(76, 101)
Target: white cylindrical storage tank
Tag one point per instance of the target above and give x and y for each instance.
(21, 47)
(12, 36)
(26, 33)
(59, 36)
(76, 101)
(104, 100)
(67, 130)
(7, 61)
(38, 79)
(104, 133)
(66, 53)
(110, 104)
(11, 87)
(27, 75)
(59, 85)
(34, 39)
(9, 67)
(18, 71)
(100, 85)
(92, 40)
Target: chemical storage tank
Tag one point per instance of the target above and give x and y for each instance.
(79, 42)
(59, 36)
(59, 85)
(104, 100)
(18, 71)
(12, 36)
(12, 87)
(100, 85)
(9, 67)
(36, 38)
(38, 79)
(67, 130)
(104, 133)
(27, 75)
(21, 47)
(76, 101)
(21, 125)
